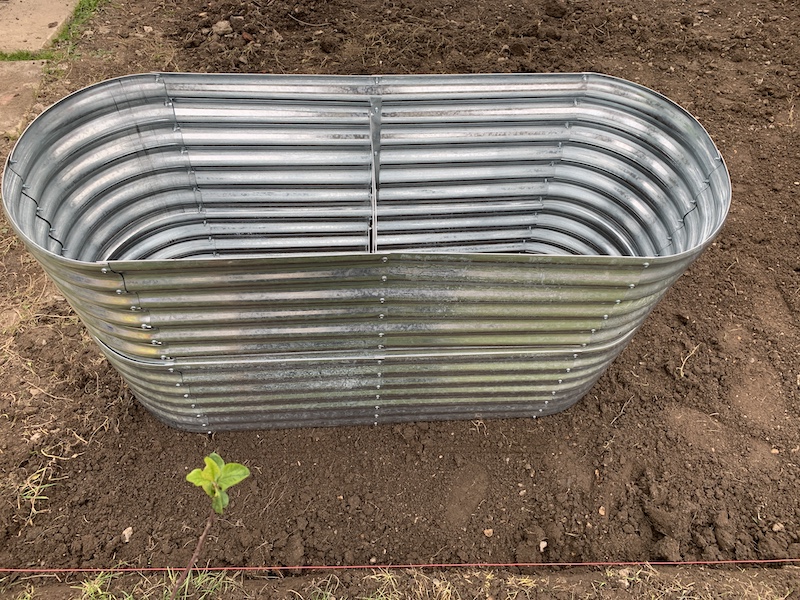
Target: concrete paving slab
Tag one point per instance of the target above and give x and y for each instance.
(18, 84)
(31, 24)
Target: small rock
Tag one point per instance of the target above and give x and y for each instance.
(602, 511)
(778, 527)
(147, 29)
(222, 28)
(542, 545)
(126, 534)
(488, 532)
(52, 24)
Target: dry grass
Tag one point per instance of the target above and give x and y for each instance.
(634, 583)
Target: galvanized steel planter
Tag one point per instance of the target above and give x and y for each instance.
(271, 251)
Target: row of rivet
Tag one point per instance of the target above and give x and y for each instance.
(381, 346)
(584, 344)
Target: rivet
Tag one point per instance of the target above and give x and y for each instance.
(380, 346)
(381, 334)
(377, 396)
(605, 317)
(380, 374)
(593, 330)
(380, 316)
(385, 258)
(377, 407)
(632, 285)
(104, 270)
(540, 410)
(560, 381)
(383, 278)
(376, 415)
(546, 402)
(568, 369)
(171, 370)
(119, 291)
(186, 395)
(574, 356)
(177, 385)
(146, 326)
(194, 406)
(383, 300)
(617, 301)
(647, 264)
(553, 393)
(377, 387)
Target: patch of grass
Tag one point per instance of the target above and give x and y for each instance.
(201, 585)
(30, 493)
(19, 55)
(26, 594)
(65, 37)
(323, 589)
(96, 588)
(82, 13)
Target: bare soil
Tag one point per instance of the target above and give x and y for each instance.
(687, 449)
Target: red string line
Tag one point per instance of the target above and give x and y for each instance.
(773, 561)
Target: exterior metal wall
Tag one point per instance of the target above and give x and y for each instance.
(269, 251)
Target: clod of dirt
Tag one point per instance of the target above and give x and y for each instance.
(668, 548)
(724, 532)
(773, 547)
(674, 524)
(528, 552)
(294, 550)
(557, 9)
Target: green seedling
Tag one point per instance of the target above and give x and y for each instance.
(215, 479)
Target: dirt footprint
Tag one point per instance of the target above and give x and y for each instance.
(466, 493)
(756, 394)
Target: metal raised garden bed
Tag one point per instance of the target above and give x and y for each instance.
(274, 251)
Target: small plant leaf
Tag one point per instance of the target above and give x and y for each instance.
(217, 459)
(220, 502)
(213, 469)
(198, 478)
(232, 473)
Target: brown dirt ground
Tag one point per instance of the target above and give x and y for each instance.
(687, 448)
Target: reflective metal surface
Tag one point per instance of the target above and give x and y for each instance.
(270, 251)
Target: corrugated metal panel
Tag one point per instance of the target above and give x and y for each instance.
(270, 251)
